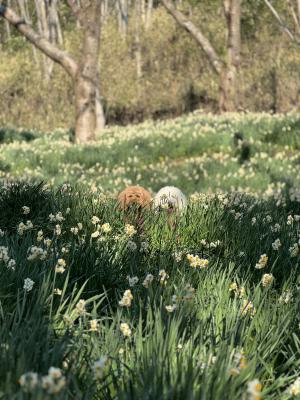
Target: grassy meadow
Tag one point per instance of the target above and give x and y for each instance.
(202, 306)
(194, 152)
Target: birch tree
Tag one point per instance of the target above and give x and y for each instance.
(292, 7)
(226, 70)
(123, 16)
(84, 71)
(138, 50)
(229, 74)
(148, 14)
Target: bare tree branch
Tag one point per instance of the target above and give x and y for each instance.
(196, 33)
(281, 22)
(294, 16)
(59, 56)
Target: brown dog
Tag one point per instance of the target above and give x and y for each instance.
(135, 198)
(134, 195)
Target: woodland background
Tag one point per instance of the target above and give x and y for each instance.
(149, 66)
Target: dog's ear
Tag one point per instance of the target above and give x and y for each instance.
(122, 200)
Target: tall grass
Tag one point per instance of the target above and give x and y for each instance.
(213, 307)
(193, 334)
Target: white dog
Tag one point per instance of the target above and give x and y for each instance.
(170, 198)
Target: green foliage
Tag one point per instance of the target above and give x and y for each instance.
(14, 196)
(200, 155)
(194, 351)
(193, 332)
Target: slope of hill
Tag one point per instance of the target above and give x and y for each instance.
(202, 304)
(194, 152)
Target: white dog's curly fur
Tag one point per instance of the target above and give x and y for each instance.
(170, 197)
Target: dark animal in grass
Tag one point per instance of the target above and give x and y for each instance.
(238, 137)
(245, 152)
(243, 146)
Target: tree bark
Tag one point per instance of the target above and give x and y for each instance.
(122, 16)
(7, 25)
(43, 27)
(23, 6)
(143, 10)
(138, 52)
(229, 76)
(54, 24)
(149, 14)
(104, 12)
(86, 80)
(23, 11)
(100, 115)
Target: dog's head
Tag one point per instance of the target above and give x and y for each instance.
(134, 195)
(171, 199)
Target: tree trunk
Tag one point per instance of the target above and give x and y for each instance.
(229, 76)
(227, 99)
(85, 103)
(54, 24)
(143, 10)
(122, 16)
(100, 115)
(149, 14)
(86, 80)
(104, 12)
(7, 24)
(23, 6)
(138, 52)
(23, 11)
(43, 27)
(125, 16)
